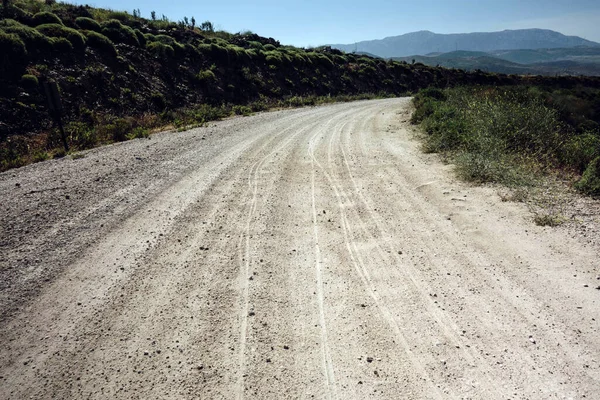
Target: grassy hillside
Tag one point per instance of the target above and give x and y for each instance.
(121, 75)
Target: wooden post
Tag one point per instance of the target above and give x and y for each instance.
(55, 107)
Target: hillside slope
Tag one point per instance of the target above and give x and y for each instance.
(121, 75)
(424, 42)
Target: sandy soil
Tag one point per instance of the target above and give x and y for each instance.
(311, 253)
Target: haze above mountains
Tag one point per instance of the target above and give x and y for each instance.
(523, 51)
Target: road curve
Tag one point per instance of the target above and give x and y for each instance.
(309, 253)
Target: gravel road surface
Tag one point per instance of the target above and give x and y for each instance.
(309, 253)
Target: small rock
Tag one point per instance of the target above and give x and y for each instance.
(369, 359)
(531, 339)
(268, 360)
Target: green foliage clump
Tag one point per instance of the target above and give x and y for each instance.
(81, 135)
(160, 50)
(60, 31)
(119, 33)
(590, 180)
(118, 130)
(29, 81)
(62, 45)
(100, 42)
(580, 150)
(206, 76)
(45, 17)
(171, 42)
(88, 24)
(35, 42)
(242, 110)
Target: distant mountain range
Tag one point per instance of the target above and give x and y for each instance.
(525, 51)
(425, 42)
(565, 61)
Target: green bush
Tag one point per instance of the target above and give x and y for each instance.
(29, 82)
(160, 50)
(169, 41)
(100, 42)
(88, 24)
(81, 135)
(580, 150)
(118, 130)
(62, 45)
(119, 33)
(590, 181)
(35, 42)
(138, 133)
(60, 31)
(42, 18)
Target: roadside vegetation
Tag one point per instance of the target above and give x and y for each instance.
(521, 137)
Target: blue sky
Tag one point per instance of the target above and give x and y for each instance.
(313, 22)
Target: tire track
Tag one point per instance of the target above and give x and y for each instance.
(450, 330)
(361, 269)
(245, 256)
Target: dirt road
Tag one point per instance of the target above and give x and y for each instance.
(311, 253)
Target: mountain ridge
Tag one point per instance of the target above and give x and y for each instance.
(424, 42)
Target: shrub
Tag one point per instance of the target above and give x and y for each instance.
(206, 76)
(62, 45)
(590, 181)
(242, 110)
(100, 42)
(160, 50)
(35, 42)
(118, 130)
(580, 150)
(42, 18)
(119, 33)
(138, 133)
(56, 30)
(88, 24)
(81, 135)
(169, 41)
(29, 82)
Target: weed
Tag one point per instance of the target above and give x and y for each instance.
(548, 219)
